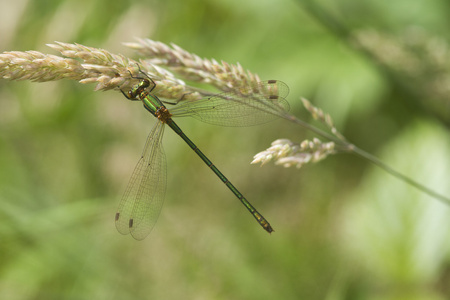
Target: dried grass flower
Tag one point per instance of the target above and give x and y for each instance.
(288, 154)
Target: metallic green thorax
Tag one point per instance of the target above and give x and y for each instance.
(151, 102)
(157, 109)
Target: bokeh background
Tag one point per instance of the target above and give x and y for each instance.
(344, 229)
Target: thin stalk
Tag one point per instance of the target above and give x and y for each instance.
(350, 148)
(400, 176)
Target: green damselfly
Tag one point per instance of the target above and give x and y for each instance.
(142, 201)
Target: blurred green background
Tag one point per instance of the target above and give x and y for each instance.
(343, 228)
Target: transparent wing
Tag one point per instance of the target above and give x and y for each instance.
(247, 106)
(142, 201)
